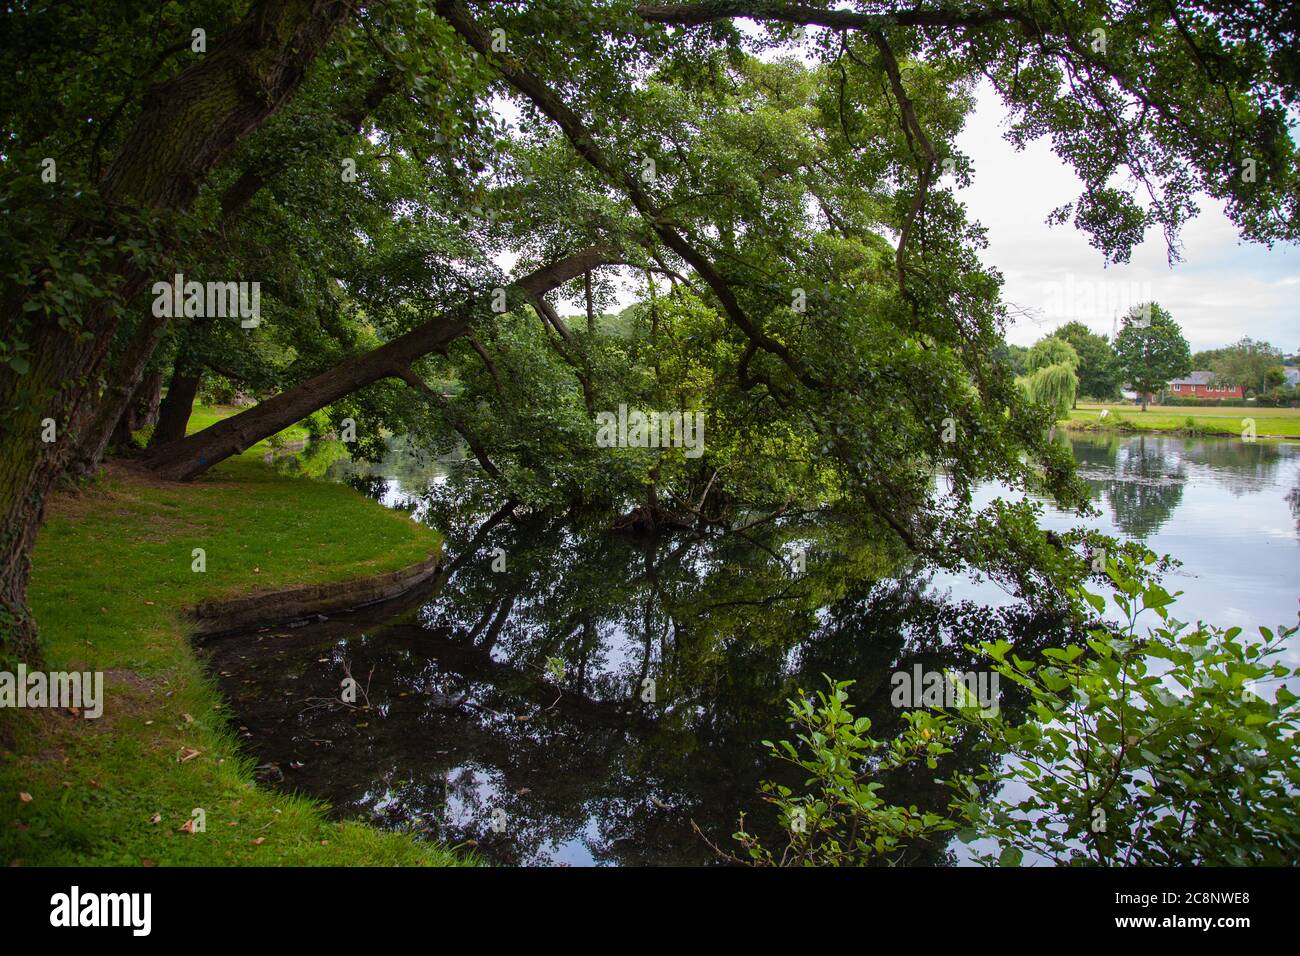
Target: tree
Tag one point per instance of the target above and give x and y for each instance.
(739, 180)
(1051, 350)
(1150, 350)
(1245, 363)
(1018, 359)
(59, 316)
(1097, 373)
(195, 454)
(1054, 386)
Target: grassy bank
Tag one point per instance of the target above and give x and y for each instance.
(111, 575)
(1186, 420)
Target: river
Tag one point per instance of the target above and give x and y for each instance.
(570, 697)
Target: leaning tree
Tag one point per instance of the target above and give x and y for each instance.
(766, 193)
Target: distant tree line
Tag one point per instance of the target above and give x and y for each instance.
(1150, 350)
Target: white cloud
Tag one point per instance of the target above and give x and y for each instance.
(1223, 289)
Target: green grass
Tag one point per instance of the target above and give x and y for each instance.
(204, 415)
(1269, 422)
(111, 576)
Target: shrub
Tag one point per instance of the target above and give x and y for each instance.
(844, 820)
(1137, 750)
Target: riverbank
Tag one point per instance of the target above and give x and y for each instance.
(112, 582)
(1187, 421)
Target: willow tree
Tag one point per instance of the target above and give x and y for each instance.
(1051, 350)
(1098, 377)
(1054, 387)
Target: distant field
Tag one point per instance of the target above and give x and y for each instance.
(1269, 422)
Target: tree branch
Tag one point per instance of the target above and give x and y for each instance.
(698, 14)
(452, 416)
(455, 13)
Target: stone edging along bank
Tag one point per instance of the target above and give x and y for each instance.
(269, 608)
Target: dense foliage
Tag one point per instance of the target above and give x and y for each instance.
(1097, 370)
(781, 193)
(1172, 747)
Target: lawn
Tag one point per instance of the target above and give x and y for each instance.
(205, 415)
(111, 576)
(1269, 422)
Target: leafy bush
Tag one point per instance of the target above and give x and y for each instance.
(217, 390)
(1136, 750)
(844, 820)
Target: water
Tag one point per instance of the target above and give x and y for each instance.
(1228, 510)
(601, 700)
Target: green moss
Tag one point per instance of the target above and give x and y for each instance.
(111, 577)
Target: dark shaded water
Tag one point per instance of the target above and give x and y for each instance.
(601, 697)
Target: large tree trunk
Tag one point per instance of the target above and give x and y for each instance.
(177, 406)
(187, 124)
(192, 456)
(141, 412)
(105, 429)
(105, 426)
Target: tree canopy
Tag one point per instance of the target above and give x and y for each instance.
(1098, 375)
(1150, 349)
(419, 187)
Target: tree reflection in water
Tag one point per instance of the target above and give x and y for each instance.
(466, 719)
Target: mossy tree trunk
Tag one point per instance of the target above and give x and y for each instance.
(187, 124)
(177, 406)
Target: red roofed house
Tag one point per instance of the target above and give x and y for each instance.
(1200, 385)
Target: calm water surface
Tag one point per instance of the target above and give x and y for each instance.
(601, 699)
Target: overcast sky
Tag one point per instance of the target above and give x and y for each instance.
(1223, 289)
